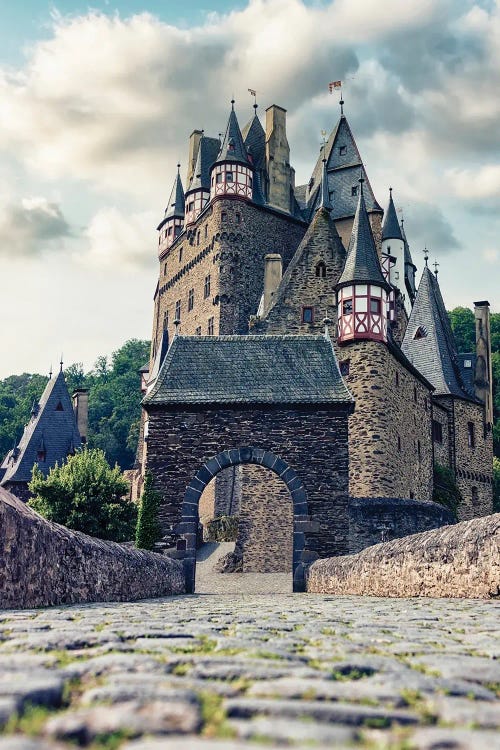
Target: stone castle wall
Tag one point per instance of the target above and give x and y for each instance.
(311, 441)
(455, 561)
(43, 564)
(391, 420)
(442, 450)
(474, 464)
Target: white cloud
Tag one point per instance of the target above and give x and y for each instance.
(31, 226)
(118, 240)
(476, 184)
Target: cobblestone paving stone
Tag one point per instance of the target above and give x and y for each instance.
(215, 672)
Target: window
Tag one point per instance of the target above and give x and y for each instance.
(178, 310)
(165, 269)
(397, 378)
(59, 406)
(218, 178)
(375, 305)
(180, 254)
(470, 435)
(437, 431)
(206, 231)
(467, 363)
(169, 231)
(308, 315)
(321, 270)
(419, 450)
(399, 443)
(475, 496)
(210, 327)
(420, 332)
(165, 320)
(206, 288)
(342, 150)
(354, 190)
(250, 182)
(229, 177)
(347, 307)
(190, 299)
(415, 394)
(190, 206)
(198, 331)
(426, 404)
(198, 238)
(344, 367)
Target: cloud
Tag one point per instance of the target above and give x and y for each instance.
(427, 226)
(31, 227)
(480, 185)
(118, 240)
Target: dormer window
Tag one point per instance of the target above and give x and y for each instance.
(354, 190)
(420, 332)
(342, 150)
(59, 406)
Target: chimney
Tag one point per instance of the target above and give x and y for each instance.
(483, 376)
(194, 145)
(81, 408)
(272, 278)
(278, 158)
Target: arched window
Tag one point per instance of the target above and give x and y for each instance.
(321, 270)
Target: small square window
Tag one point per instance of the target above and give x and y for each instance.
(307, 314)
(375, 306)
(354, 190)
(229, 177)
(210, 327)
(342, 150)
(347, 307)
(344, 367)
(218, 178)
(467, 363)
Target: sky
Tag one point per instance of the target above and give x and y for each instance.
(97, 103)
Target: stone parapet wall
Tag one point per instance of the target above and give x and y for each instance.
(455, 561)
(43, 564)
(380, 519)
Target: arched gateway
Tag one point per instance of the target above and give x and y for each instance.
(280, 397)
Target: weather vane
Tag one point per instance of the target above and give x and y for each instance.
(426, 255)
(253, 93)
(436, 265)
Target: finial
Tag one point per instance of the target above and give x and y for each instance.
(232, 103)
(50, 372)
(341, 106)
(435, 264)
(253, 93)
(177, 323)
(390, 192)
(178, 167)
(361, 181)
(426, 256)
(323, 135)
(61, 363)
(326, 322)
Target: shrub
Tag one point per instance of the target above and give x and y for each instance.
(148, 526)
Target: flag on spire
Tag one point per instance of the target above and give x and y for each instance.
(334, 85)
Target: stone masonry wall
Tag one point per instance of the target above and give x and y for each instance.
(43, 564)
(312, 441)
(380, 519)
(265, 532)
(387, 425)
(455, 561)
(442, 449)
(474, 464)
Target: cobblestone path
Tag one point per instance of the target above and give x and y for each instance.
(210, 582)
(221, 672)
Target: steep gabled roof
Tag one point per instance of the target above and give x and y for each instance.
(324, 192)
(232, 147)
(390, 228)
(207, 154)
(362, 264)
(429, 343)
(254, 138)
(250, 370)
(175, 205)
(53, 426)
(343, 164)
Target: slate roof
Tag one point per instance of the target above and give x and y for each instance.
(54, 427)
(232, 147)
(254, 138)
(343, 173)
(249, 370)
(207, 154)
(175, 205)
(434, 354)
(324, 194)
(390, 228)
(362, 264)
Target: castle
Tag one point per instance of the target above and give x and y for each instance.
(244, 252)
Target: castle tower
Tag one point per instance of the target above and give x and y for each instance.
(172, 223)
(278, 159)
(254, 138)
(393, 246)
(232, 174)
(198, 193)
(362, 290)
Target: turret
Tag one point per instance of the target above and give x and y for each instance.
(198, 194)
(278, 159)
(232, 174)
(362, 291)
(393, 246)
(173, 220)
(410, 268)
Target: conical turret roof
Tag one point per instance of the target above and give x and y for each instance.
(324, 191)
(233, 148)
(390, 228)
(175, 205)
(362, 264)
(254, 138)
(429, 343)
(207, 154)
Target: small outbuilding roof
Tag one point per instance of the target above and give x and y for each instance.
(249, 370)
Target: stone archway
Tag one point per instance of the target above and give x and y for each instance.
(188, 527)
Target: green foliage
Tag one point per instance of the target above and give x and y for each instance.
(446, 491)
(148, 526)
(87, 495)
(114, 402)
(496, 485)
(221, 529)
(464, 328)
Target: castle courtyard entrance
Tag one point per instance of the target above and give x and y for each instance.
(273, 403)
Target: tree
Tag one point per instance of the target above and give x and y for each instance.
(464, 328)
(87, 495)
(148, 526)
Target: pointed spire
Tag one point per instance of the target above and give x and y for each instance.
(232, 147)
(175, 206)
(390, 228)
(362, 264)
(324, 194)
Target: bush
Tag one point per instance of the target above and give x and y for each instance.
(446, 491)
(496, 485)
(221, 529)
(87, 495)
(148, 526)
